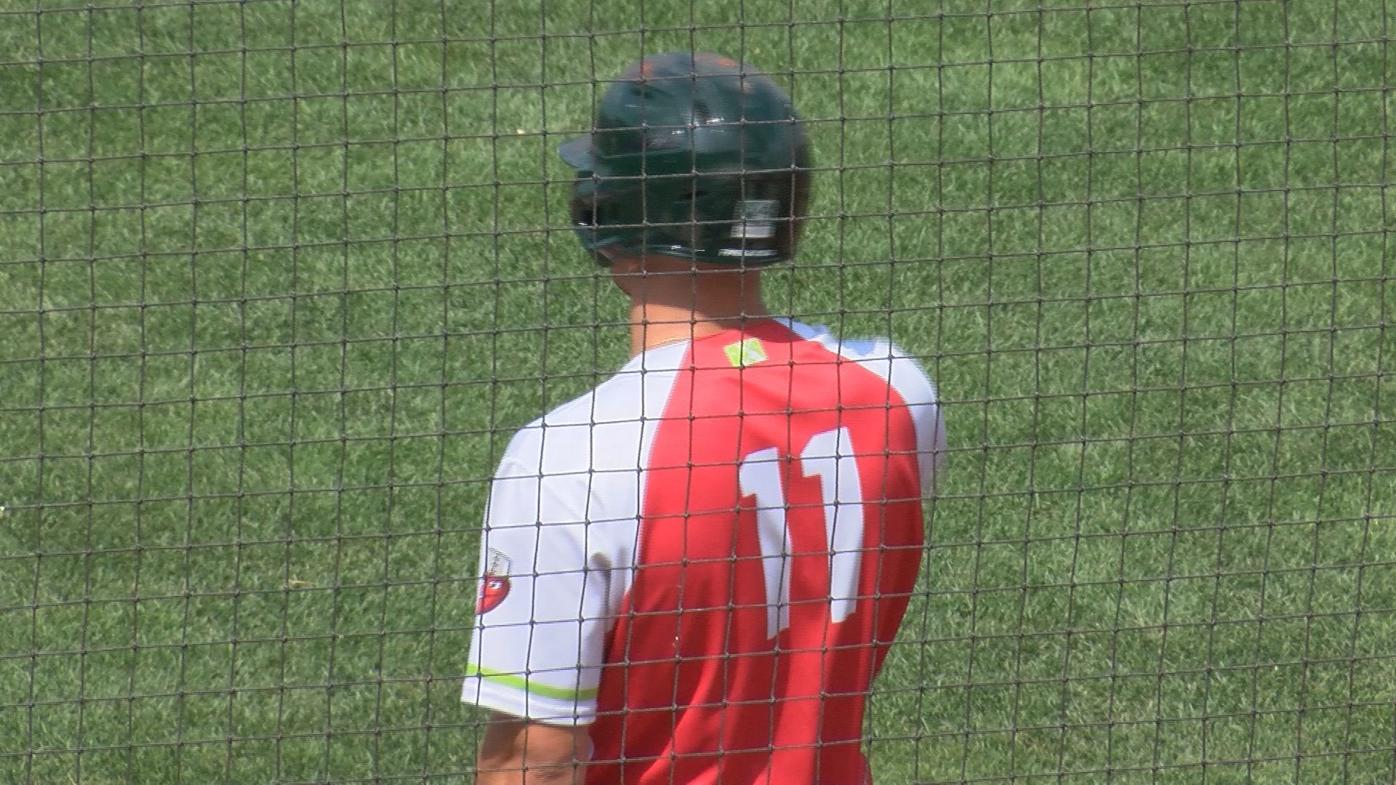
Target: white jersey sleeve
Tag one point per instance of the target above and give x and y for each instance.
(541, 611)
(557, 551)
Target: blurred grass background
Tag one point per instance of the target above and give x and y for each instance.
(277, 281)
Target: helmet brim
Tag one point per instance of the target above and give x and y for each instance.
(576, 152)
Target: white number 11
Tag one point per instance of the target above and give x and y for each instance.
(829, 454)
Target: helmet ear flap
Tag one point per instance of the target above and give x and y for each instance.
(585, 209)
(601, 215)
(688, 217)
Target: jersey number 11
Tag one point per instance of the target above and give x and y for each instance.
(828, 455)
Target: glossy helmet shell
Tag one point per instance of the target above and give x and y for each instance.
(694, 156)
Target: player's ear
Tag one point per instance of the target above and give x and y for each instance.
(625, 265)
(626, 273)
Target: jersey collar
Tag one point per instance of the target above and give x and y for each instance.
(661, 358)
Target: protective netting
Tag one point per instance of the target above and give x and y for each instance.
(280, 278)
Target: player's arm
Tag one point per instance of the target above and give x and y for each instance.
(518, 752)
(540, 622)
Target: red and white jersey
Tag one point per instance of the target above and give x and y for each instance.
(707, 556)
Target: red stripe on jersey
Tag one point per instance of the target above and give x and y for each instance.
(694, 692)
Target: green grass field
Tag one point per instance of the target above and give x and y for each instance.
(275, 291)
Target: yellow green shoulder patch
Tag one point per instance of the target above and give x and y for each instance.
(745, 352)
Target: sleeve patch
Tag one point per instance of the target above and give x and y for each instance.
(495, 585)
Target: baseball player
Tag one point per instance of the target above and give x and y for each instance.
(691, 575)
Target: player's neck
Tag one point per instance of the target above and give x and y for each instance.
(675, 299)
(675, 311)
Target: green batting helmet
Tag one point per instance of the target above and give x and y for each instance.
(694, 156)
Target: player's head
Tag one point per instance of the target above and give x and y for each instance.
(693, 156)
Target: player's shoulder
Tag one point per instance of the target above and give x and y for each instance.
(900, 368)
(602, 428)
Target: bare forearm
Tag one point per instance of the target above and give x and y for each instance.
(516, 752)
(523, 773)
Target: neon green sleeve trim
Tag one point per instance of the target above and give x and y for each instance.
(515, 681)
